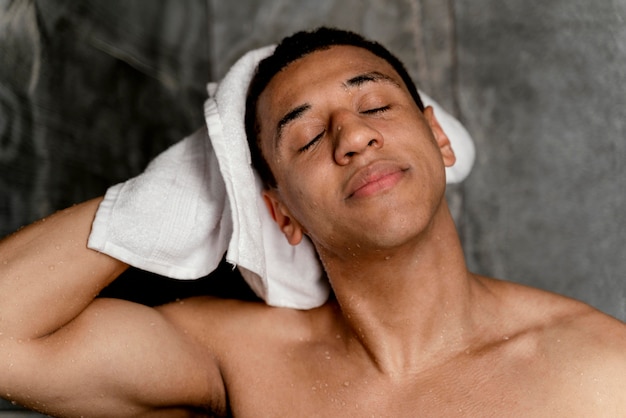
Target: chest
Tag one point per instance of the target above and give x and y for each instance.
(331, 386)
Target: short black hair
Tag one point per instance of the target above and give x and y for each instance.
(291, 49)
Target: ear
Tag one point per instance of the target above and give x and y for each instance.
(290, 227)
(445, 147)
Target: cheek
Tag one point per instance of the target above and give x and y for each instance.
(300, 197)
(307, 197)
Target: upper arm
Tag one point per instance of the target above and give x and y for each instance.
(115, 359)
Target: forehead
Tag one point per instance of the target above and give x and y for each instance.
(323, 65)
(302, 80)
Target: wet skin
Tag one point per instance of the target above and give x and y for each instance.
(360, 171)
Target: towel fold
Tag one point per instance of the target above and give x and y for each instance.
(201, 199)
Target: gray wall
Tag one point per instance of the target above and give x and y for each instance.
(90, 91)
(543, 90)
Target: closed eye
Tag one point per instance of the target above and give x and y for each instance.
(312, 142)
(376, 110)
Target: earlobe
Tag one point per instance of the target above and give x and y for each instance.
(445, 147)
(283, 218)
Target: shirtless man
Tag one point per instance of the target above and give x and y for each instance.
(359, 169)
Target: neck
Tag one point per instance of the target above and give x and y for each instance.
(407, 305)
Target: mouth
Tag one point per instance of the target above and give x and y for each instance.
(374, 178)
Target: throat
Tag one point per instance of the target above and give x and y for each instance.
(403, 324)
(407, 302)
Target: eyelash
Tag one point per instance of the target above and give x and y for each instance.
(312, 142)
(376, 110)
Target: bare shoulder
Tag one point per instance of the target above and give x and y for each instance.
(584, 348)
(561, 317)
(589, 347)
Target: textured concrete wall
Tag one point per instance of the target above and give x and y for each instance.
(91, 90)
(543, 90)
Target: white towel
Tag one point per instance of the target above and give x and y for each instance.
(173, 219)
(201, 198)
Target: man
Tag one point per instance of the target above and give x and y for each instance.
(353, 162)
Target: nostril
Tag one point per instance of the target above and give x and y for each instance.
(372, 142)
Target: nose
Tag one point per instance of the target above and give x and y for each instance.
(353, 136)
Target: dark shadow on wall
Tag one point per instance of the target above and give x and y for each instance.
(90, 91)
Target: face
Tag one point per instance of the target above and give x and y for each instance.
(357, 164)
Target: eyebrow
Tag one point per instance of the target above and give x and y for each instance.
(356, 81)
(289, 117)
(372, 76)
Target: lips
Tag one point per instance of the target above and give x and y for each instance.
(374, 178)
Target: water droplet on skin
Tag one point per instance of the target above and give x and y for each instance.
(387, 257)
(346, 383)
(58, 247)
(51, 267)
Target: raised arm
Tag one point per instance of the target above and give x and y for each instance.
(47, 274)
(66, 353)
